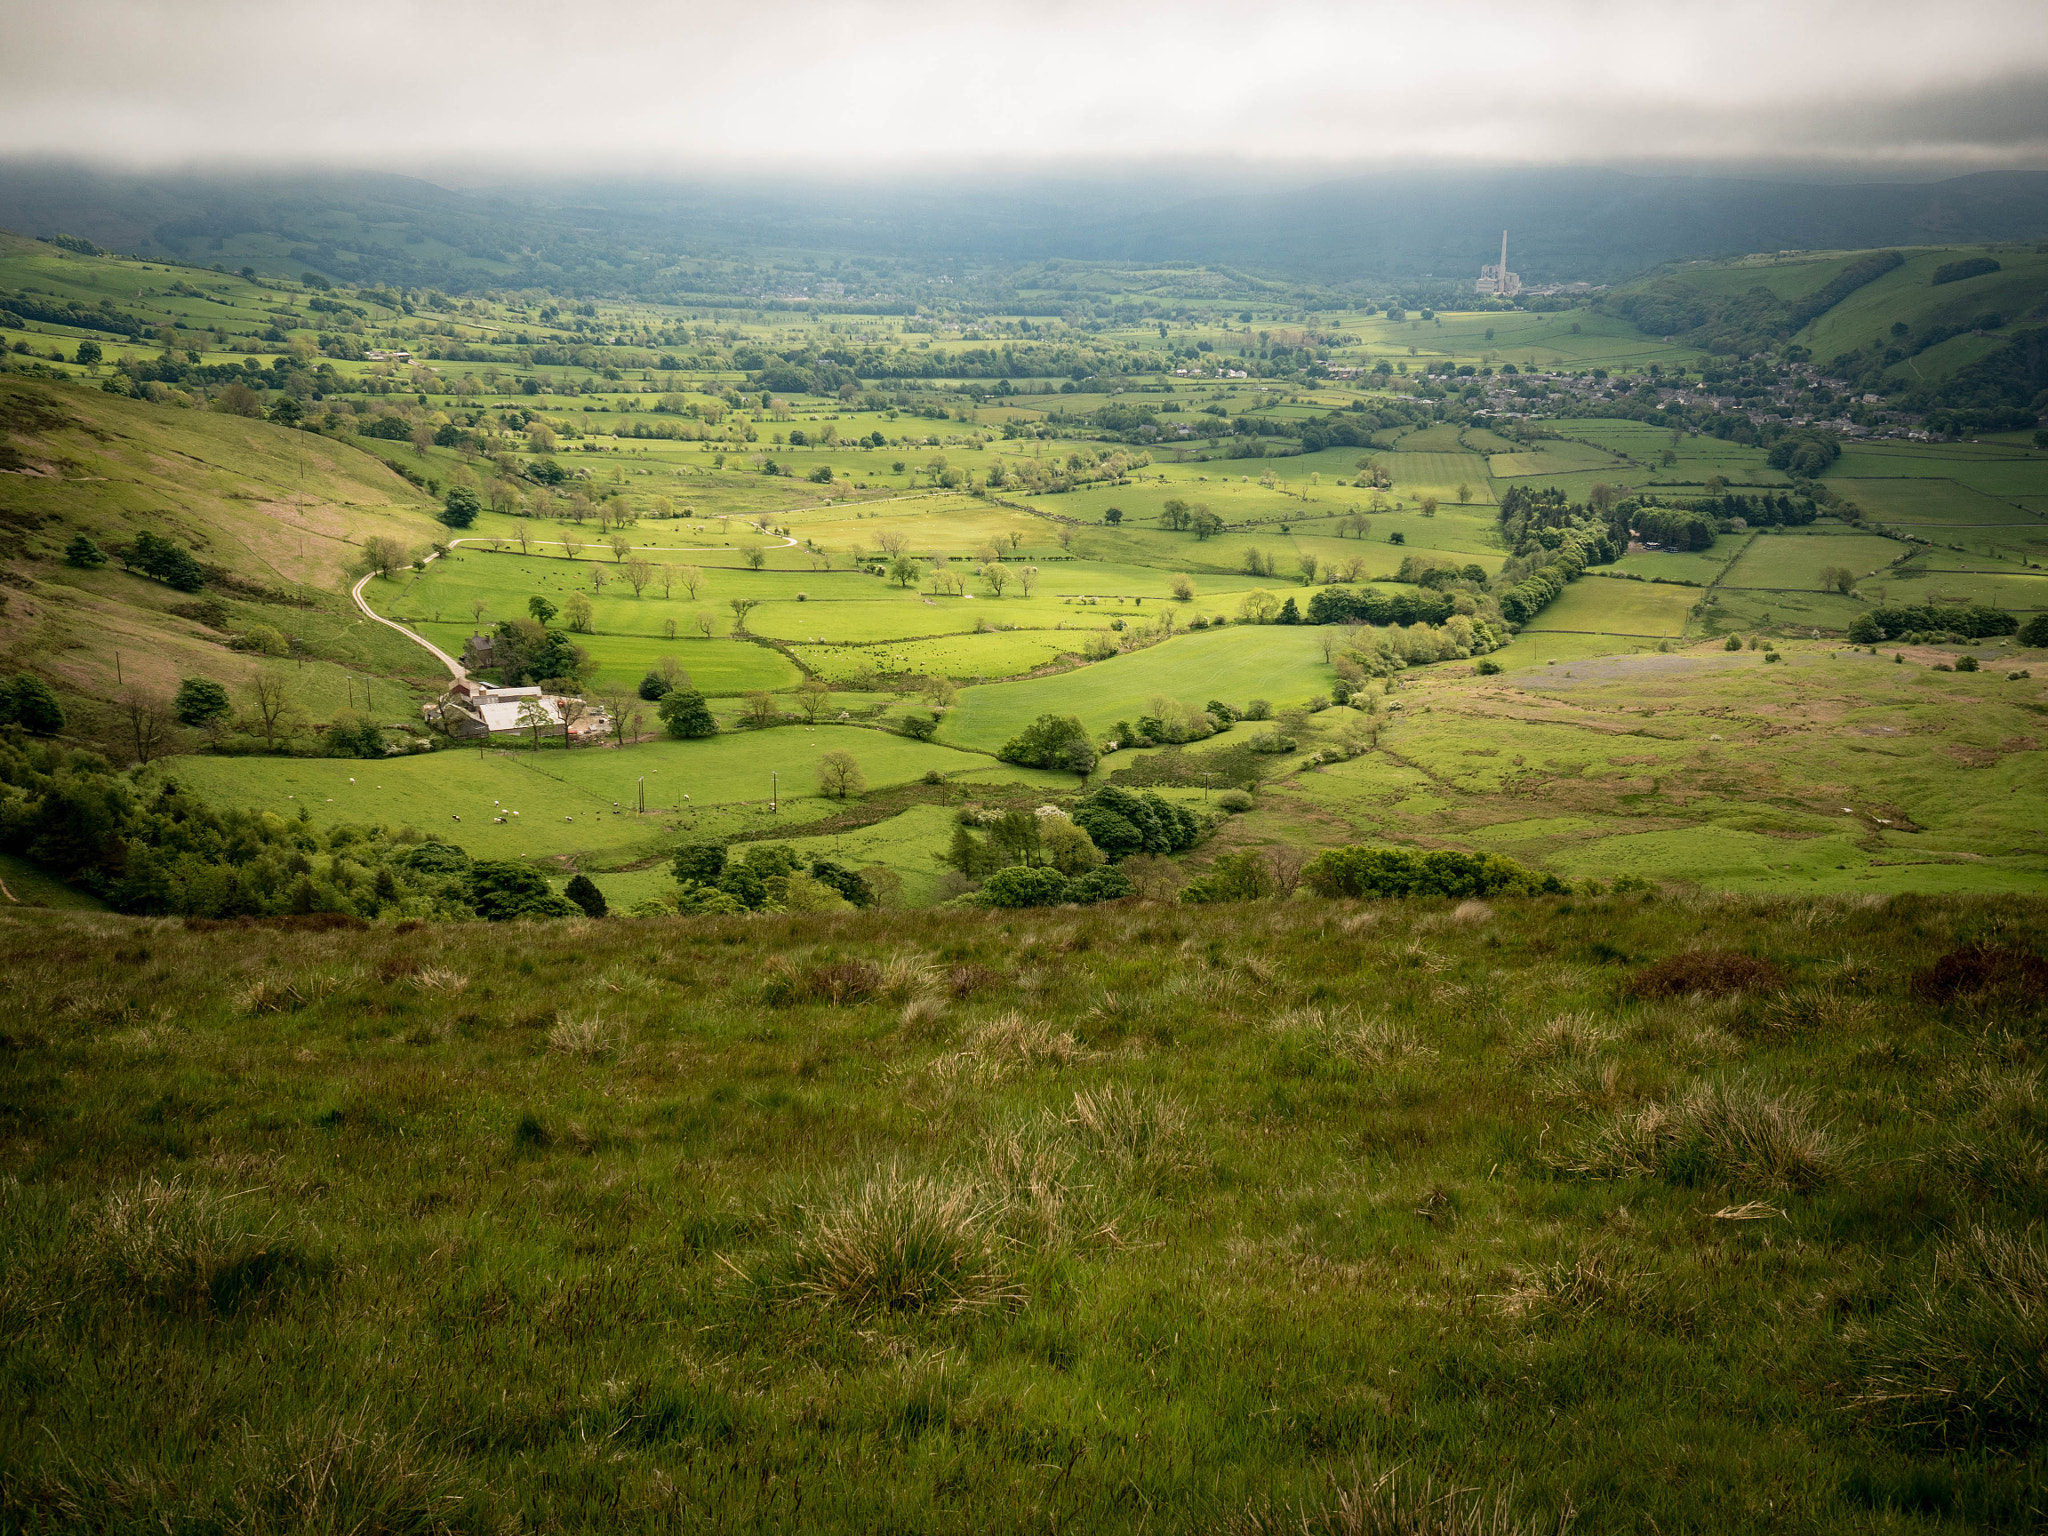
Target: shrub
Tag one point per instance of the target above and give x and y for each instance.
(501, 890)
(1983, 975)
(582, 890)
(1051, 741)
(1235, 801)
(1705, 972)
(839, 776)
(201, 701)
(1358, 871)
(30, 703)
(1966, 664)
(1486, 666)
(654, 688)
(685, 715)
(1242, 876)
(1020, 885)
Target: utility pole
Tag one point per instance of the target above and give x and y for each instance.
(774, 793)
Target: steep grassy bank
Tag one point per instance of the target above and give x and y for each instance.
(1717, 1214)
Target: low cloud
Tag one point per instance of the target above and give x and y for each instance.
(857, 88)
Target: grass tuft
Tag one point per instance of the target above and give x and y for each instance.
(905, 1245)
(589, 1038)
(1731, 1131)
(1965, 1362)
(1401, 1503)
(184, 1248)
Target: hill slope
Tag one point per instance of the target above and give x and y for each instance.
(1708, 1215)
(276, 516)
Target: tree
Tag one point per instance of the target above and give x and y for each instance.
(760, 710)
(1184, 587)
(598, 578)
(1258, 607)
(271, 706)
(578, 612)
(1308, 566)
(84, 554)
(571, 710)
(741, 607)
(839, 776)
(460, 507)
(572, 543)
(1052, 741)
(1838, 578)
(30, 703)
(692, 578)
(920, 727)
(200, 701)
(707, 621)
(684, 715)
(1027, 578)
(639, 572)
(995, 577)
(148, 720)
(1206, 524)
(1175, 514)
(501, 890)
(905, 569)
(542, 610)
(813, 697)
(533, 716)
(1113, 516)
(1464, 493)
(584, 892)
(756, 557)
(89, 354)
(384, 555)
(286, 411)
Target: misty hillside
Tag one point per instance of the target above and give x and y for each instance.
(668, 237)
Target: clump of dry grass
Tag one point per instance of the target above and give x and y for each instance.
(336, 1472)
(2000, 1149)
(592, 1037)
(923, 1017)
(902, 1244)
(1818, 1008)
(1965, 1362)
(1135, 1131)
(1565, 1037)
(1010, 1039)
(1722, 1131)
(1592, 1283)
(1400, 1502)
(1371, 1043)
(182, 1246)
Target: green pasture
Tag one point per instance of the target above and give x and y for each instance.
(1700, 565)
(1792, 560)
(1562, 456)
(1907, 294)
(965, 657)
(23, 884)
(1602, 605)
(1280, 663)
(565, 800)
(1922, 584)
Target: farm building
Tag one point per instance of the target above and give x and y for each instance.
(470, 709)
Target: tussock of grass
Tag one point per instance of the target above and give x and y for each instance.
(905, 1245)
(1134, 1130)
(182, 1247)
(1010, 1039)
(1565, 1037)
(590, 1037)
(1965, 1362)
(1403, 1503)
(1732, 1131)
(1593, 1283)
(1818, 1008)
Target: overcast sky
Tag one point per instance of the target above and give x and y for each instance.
(895, 85)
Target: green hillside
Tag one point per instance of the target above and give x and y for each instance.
(274, 518)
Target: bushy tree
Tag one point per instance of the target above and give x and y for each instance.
(29, 703)
(839, 776)
(1051, 741)
(200, 701)
(84, 554)
(1122, 822)
(501, 890)
(460, 507)
(584, 892)
(685, 715)
(1358, 871)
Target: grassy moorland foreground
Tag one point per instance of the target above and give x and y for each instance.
(1650, 1213)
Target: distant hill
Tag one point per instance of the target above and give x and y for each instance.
(1402, 226)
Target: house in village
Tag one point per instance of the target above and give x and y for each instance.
(471, 709)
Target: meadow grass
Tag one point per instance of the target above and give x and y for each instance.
(1293, 1215)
